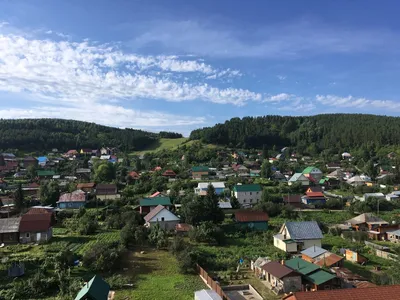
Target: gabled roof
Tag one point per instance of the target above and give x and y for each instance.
(9, 225)
(308, 170)
(88, 185)
(247, 188)
(306, 230)
(315, 189)
(251, 216)
(298, 177)
(96, 289)
(154, 212)
(313, 251)
(328, 259)
(165, 201)
(216, 185)
(301, 266)
(277, 270)
(36, 219)
(366, 218)
(169, 173)
(320, 277)
(383, 292)
(315, 194)
(261, 261)
(75, 196)
(156, 194)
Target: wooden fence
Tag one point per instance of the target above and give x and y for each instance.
(212, 283)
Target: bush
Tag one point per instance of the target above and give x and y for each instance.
(103, 257)
(207, 232)
(117, 281)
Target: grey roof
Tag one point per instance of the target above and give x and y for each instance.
(224, 205)
(314, 251)
(307, 230)
(296, 177)
(396, 232)
(9, 225)
(207, 295)
(261, 261)
(367, 218)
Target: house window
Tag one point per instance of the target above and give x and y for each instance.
(27, 235)
(244, 200)
(251, 200)
(162, 219)
(251, 193)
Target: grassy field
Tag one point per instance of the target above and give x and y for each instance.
(167, 144)
(155, 275)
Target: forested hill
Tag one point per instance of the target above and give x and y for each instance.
(45, 134)
(331, 131)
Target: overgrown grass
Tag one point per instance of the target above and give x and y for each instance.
(155, 275)
(163, 144)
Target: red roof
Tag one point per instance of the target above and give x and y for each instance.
(88, 185)
(315, 194)
(312, 179)
(32, 185)
(76, 196)
(36, 219)
(157, 168)
(153, 213)
(278, 270)
(134, 174)
(169, 173)
(329, 260)
(292, 199)
(251, 216)
(155, 194)
(70, 152)
(376, 293)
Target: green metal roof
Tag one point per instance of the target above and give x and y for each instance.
(308, 170)
(200, 169)
(320, 277)
(247, 188)
(155, 201)
(301, 266)
(323, 180)
(45, 173)
(95, 289)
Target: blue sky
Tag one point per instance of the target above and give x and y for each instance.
(179, 65)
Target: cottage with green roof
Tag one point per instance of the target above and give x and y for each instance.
(200, 172)
(313, 277)
(313, 173)
(247, 194)
(148, 204)
(95, 289)
(45, 174)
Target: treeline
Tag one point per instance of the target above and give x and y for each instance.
(305, 134)
(170, 135)
(45, 134)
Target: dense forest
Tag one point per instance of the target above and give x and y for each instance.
(45, 134)
(307, 134)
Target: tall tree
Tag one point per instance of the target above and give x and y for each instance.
(266, 170)
(19, 199)
(211, 206)
(265, 153)
(49, 193)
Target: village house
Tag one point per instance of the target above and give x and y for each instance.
(29, 161)
(313, 277)
(240, 169)
(313, 173)
(202, 188)
(45, 174)
(252, 219)
(107, 192)
(393, 236)
(85, 151)
(380, 196)
(281, 279)
(299, 177)
(9, 230)
(200, 172)
(162, 216)
(247, 194)
(383, 292)
(36, 225)
(313, 198)
(355, 257)
(83, 173)
(86, 187)
(146, 205)
(31, 190)
(256, 266)
(337, 174)
(278, 176)
(169, 174)
(293, 200)
(76, 199)
(375, 226)
(322, 257)
(42, 161)
(95, 289)
(296, 236)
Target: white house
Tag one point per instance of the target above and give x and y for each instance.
(390, 197)
(346, 155)
(162, 216)
(299, 177)
(296, 236)
(202, 188)
(247, 194)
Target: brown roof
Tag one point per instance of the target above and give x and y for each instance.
(251, 216)
(183, 227)
(36, 219)
(276, 269)
(169, 173)
(315, 194)
(363, 284)
(153, 213)
(328, 260)
(376, 293)
(75, 196)
(106, 189)
(292, 199)
(346, 274)
(88, 185)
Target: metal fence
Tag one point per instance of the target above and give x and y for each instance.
(212, 283)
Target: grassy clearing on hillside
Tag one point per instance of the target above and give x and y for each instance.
(155, 275)
(167, 144)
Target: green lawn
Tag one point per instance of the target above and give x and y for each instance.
(168, 144)
(155, 275)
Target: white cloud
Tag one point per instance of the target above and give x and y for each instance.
(360, 103)
(281, 77)
(280, 40)
(85, 72)
(279, 97)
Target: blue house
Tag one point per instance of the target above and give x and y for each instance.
(314, 198)
(42, 160)
(76, 199)
(202, 188)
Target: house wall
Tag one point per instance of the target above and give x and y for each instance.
(393, 238)
(9, 238)
(166, 225)
(254, 225)
(274, 282)
(291, 284)
(311, 243)
(287, 247)
(199, 175)
(72, 205)
(108, 197)
(166, 215)
(33, 236)
(248, 197)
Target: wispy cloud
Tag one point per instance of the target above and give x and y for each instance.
(281, 78)
(280, 40)
(359, 103)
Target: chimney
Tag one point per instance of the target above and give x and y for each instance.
(282, 262)
(314, 247)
